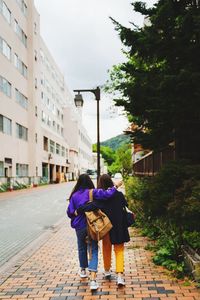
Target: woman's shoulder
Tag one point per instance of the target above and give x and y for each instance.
(119, 194)
(80, 192)
(121, 197)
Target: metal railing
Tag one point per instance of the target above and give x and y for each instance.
(151, 163)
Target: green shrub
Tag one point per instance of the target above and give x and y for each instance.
(166, 256)
(4, 187)
(136, 190)
(18, 186)
(192, 239)
(167, 209)
(173, 195)
(43, 181)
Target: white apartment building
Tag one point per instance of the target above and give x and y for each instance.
(103, 166)
(41, 134)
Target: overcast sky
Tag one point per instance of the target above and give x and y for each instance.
(83, 42)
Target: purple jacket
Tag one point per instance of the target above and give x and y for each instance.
(80, 198)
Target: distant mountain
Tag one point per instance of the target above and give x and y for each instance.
(117, 141)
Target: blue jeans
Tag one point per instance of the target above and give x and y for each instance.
(84, 249)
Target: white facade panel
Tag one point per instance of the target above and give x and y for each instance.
(37, 104)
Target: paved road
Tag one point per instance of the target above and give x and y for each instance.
(25, 215)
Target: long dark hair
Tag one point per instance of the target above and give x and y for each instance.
(105, 182)
(84, 182)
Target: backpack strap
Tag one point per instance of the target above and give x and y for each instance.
(89, 238)
(90, 195)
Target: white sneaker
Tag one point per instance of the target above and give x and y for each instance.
(82, 273)
(93, 285)
(107, 274)
(120, 281)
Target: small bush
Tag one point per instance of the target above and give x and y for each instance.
(18, 186)
(167, 209)
(192, 239)
(4, 187)
(43, 181)
(165, 256)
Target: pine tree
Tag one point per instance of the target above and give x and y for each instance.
(159, 84)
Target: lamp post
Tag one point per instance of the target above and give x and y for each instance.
(79, 103)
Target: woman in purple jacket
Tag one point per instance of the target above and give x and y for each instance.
(79, 197)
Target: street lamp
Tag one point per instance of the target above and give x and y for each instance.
(78, 100)
(79, 103)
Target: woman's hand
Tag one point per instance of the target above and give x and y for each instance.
(118, 184)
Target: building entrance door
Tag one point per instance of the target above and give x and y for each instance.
(6, 172)
(45, 170)
(51, 173)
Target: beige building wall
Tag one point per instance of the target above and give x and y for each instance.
(103, 167)
(41, 133)
(12, 150)
(53, 99)
(85, 150)
(80, 143)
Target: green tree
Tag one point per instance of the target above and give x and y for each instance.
(107, 153)
(159, 83)
(117, 161)
(123, 162)
(117, 141)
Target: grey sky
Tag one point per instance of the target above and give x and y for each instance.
(82, 39)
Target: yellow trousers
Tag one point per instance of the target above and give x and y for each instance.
(119, 255)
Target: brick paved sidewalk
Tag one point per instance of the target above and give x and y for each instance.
(51, 273)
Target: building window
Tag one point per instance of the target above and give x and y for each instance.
(5, 86)
(67, 153)
(42, 55)
(43, 96)
(20, 66)
(54, 109)
(20, 33)
(52, 146)
(21, 170)
(45, 143)
(5, 49)
(5, 11)
(21, 132)
(1, 168)
(35, 28)
(62, 131)
(21, 99)
(58, 128)
(5, 125)
(49, 121)
(57, 149)
(36, 111)
(35, 83)
(35, 55)
(22, 6)
(63, 151)
(36, 138)
(43, 117)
